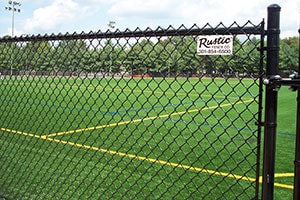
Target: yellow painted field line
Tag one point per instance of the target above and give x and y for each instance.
(284, 186)
(142, 119)
(279, 175)
(152, 160)
(20, 132)
(97, 127)
(175, 165)
(284, 175)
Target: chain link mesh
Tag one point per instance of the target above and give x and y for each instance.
(129, 115)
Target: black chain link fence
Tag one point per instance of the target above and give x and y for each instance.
(130, 115)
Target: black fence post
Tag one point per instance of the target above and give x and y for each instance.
(273, 32)
(297, 148)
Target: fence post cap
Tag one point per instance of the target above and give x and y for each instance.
(274, 7)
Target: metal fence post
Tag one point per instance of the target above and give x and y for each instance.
(273, 33)
(297, 148)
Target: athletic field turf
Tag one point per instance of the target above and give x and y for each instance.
(145, 138)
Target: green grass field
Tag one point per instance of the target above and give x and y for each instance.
(136, 138)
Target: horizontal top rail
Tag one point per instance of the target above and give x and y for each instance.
(234, 29)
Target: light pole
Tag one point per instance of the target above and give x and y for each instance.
(12, 7)
(111, 24)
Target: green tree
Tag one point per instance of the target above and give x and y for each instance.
(109, 58)
(10, 56)
(5, 55)
(36, 56)
(71, 55)
(134, 61)
(246, 56)
(289, 52)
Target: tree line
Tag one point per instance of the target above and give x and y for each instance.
(156, 56)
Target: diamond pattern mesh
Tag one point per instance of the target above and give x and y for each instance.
(129, 115)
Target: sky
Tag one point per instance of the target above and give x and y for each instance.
(62, 16)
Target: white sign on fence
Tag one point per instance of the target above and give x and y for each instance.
(215, 45)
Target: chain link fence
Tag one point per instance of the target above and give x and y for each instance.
(130, 115)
